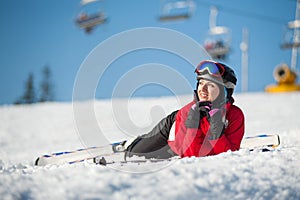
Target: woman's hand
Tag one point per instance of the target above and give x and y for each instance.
(196, 113)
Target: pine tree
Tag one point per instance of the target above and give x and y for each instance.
(29, 93)
(46, 87)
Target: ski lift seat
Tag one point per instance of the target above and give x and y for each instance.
(91, 15)
(174, 17)
(290, 40)
(91, 21)
(290, 45)
(177, 10)
(218, 51)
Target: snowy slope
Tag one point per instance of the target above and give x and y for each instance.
(27, 132)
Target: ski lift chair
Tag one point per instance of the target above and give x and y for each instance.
(291, 39)
(87, 22)
(218, 44)
(177, 10)
(90, 16)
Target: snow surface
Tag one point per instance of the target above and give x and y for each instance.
(27, 132)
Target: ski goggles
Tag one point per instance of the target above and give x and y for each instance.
(210, 67)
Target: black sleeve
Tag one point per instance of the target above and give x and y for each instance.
(163, 127)
(155, 143)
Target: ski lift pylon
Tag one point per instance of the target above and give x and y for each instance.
(177, 10)
(292, 37)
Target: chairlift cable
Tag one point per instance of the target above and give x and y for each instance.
(245, 13)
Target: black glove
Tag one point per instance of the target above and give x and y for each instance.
(197, 112)
(216, 125)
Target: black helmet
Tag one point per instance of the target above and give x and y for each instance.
(217, 72)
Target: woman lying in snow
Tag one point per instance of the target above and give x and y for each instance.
(208, 125)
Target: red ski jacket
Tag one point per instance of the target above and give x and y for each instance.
(187, 142)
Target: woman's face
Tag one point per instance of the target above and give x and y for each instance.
(208, 90)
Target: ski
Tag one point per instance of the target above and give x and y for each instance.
(79, 155)
(260, 141)
(101, 160)
(263, 141)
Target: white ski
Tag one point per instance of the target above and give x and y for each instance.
(70, 157)
(260, 141)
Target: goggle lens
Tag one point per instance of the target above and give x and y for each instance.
(212, 68)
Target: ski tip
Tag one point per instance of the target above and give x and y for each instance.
(36, 163)
(278, 142)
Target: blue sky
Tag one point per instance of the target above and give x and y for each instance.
(36, 33)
